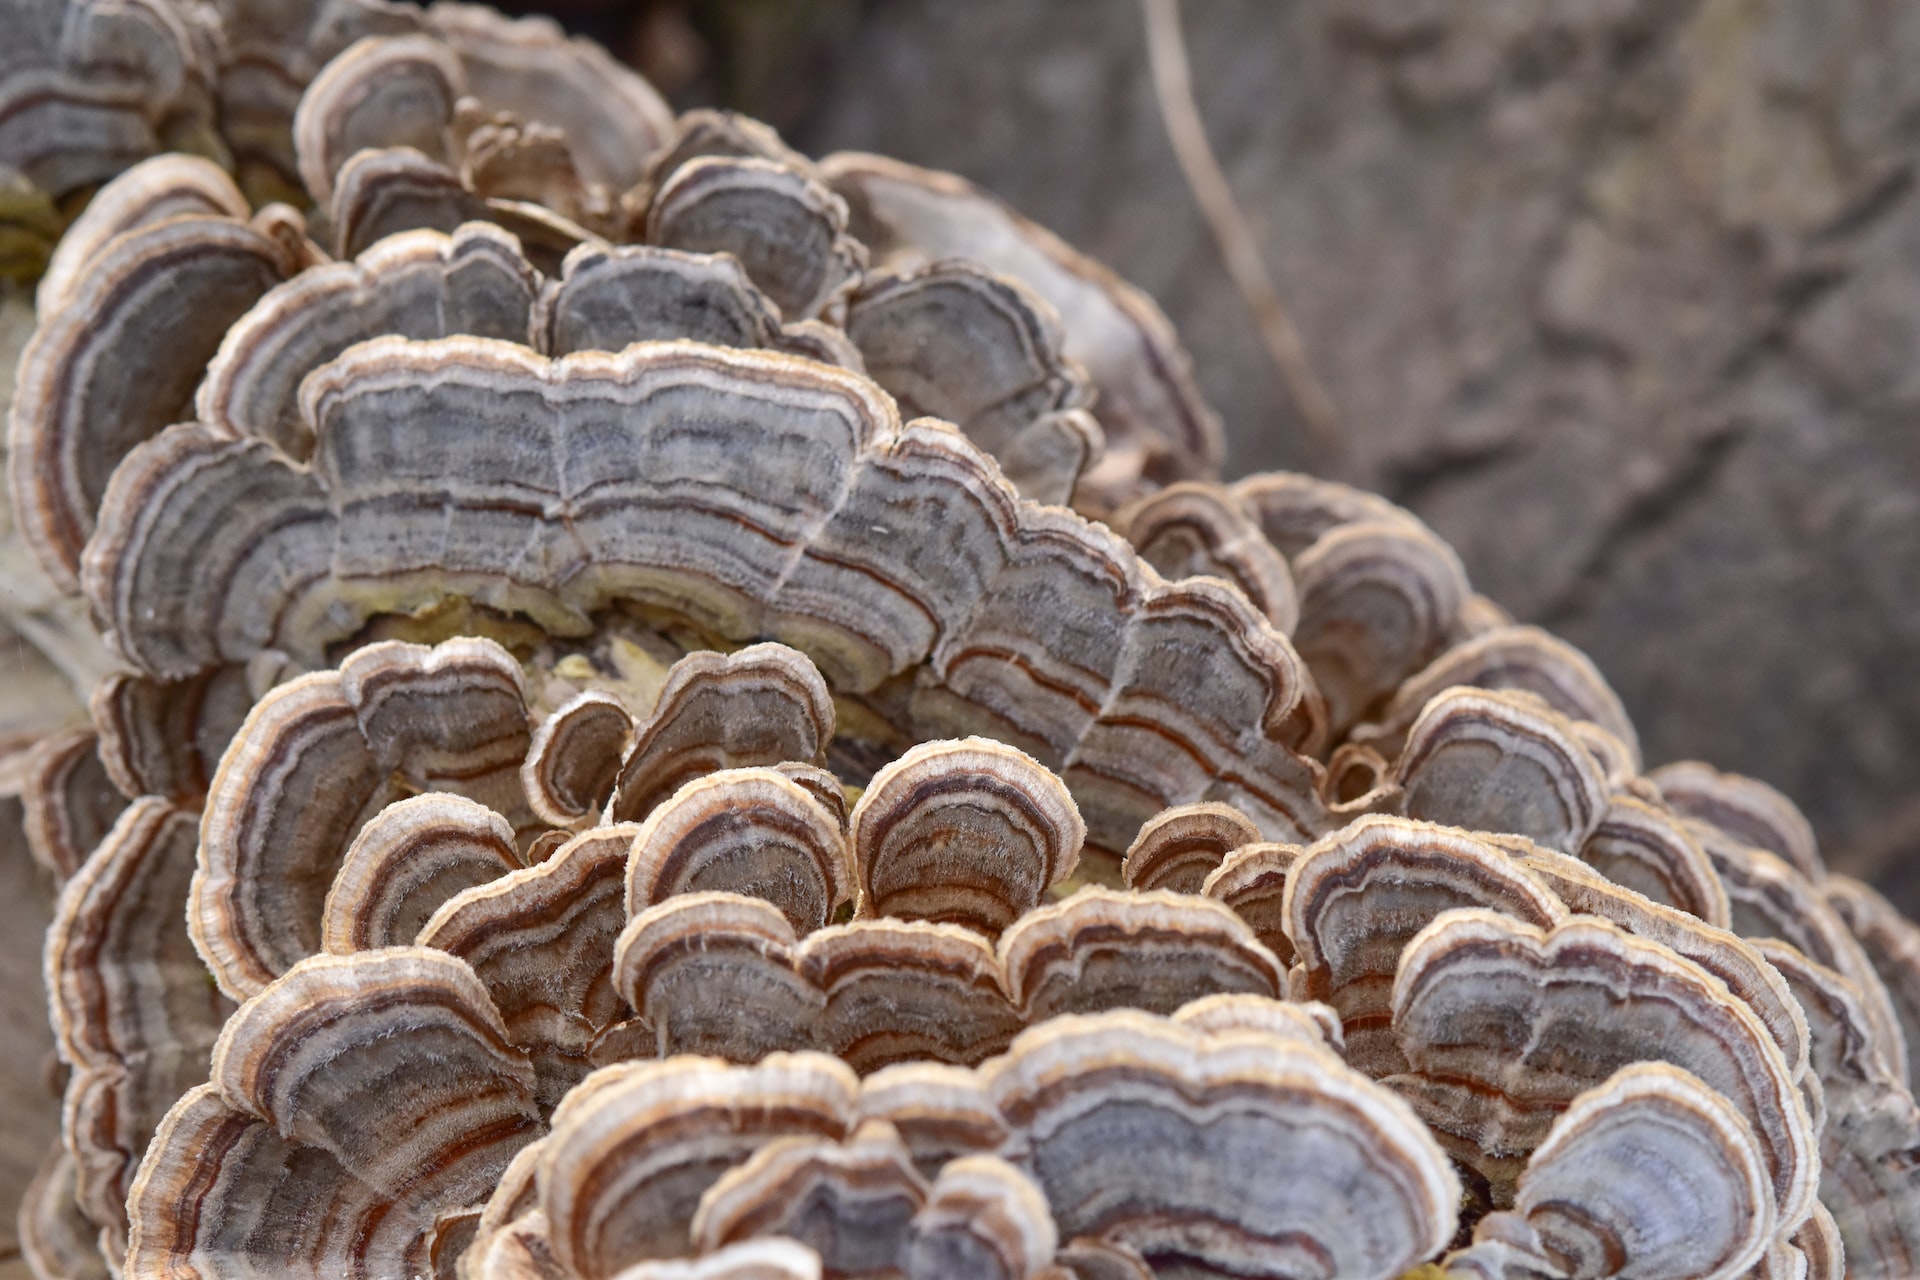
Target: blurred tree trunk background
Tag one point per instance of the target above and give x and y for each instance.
(1622, 296)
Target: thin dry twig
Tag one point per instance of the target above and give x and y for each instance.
(1173, 89)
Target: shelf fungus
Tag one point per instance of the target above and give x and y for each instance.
(353, 1102)
(685, 712)
(1177, 693)
(318, 758)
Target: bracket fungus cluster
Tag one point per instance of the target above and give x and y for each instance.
(686, 711)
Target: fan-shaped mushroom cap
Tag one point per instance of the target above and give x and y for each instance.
(983, 1220)
(1156, 423)
(1103, 950)
(1193, 1148)
(384, 191)
(787, 229)
(1507, 657)
(1252, 881)
(352, 1101)
(1818, 1241)
(68, 798)
(165, 737)
(1770, 899)
(1180, 847)
(1377, 601)
(383, 91)
(952, 341)
(575, 757)
(1748, 810)
(942, 1112)
(87, 89)
(750, 831)
(56, 1239)
(972, 832)
(419, 284)
(158, 188)
(897, 991)
(1357, 897)
(1174, 693)
(1892, 944)
(315, 759)
(119, 360)
(749, 1260)
(1191, 528)
(763, 705)
(132, 1010)
(852, 1201)
(714, 973)
(1651, 1174)
(1494, 761)
(1647, 849)
(1725, 955)
(1867, 1179)
(405, 863)
(609, 297)
(1294, 510)
(636, 1146)
(541, 939)
(1504, 1023)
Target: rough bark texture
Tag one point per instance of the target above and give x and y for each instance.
(1622, 295)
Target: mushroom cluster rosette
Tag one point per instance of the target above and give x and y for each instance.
(679, 710)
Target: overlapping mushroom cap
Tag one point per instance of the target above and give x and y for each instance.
(837, 861)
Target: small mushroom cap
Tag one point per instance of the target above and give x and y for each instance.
(132, 1011)
(118, 361)
(764, 705)
(1892, 945)
(1747, 809)
(1377, 601)
(1295, 510)
(942, 1112)
(608, 297)
(1307, 1020)
(575, 756)
(899, 991)
(69, 800)
(972, 832)
(1149, 407)
(1180, 847)
(56, 1239)
(1357, 897)
(953, 341)
(1581, 1000)
(1647, 849)
(1191, 528)
(787, 229)
(158, 188)
(983, 1219)
(166, 737)
(352, 1102)
(315, 759)
(1651, 1174)
(853, 1202)
(405, 863)
(541, 939)
(1252, 882)
(1143, 1131)
(750, 831)
(1101, 949)
(636, 1146)
(1505, 762)
(418, 284)
(714, 973)
(383, 91)
(1508, 657)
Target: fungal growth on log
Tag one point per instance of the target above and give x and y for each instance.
(679, 710)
